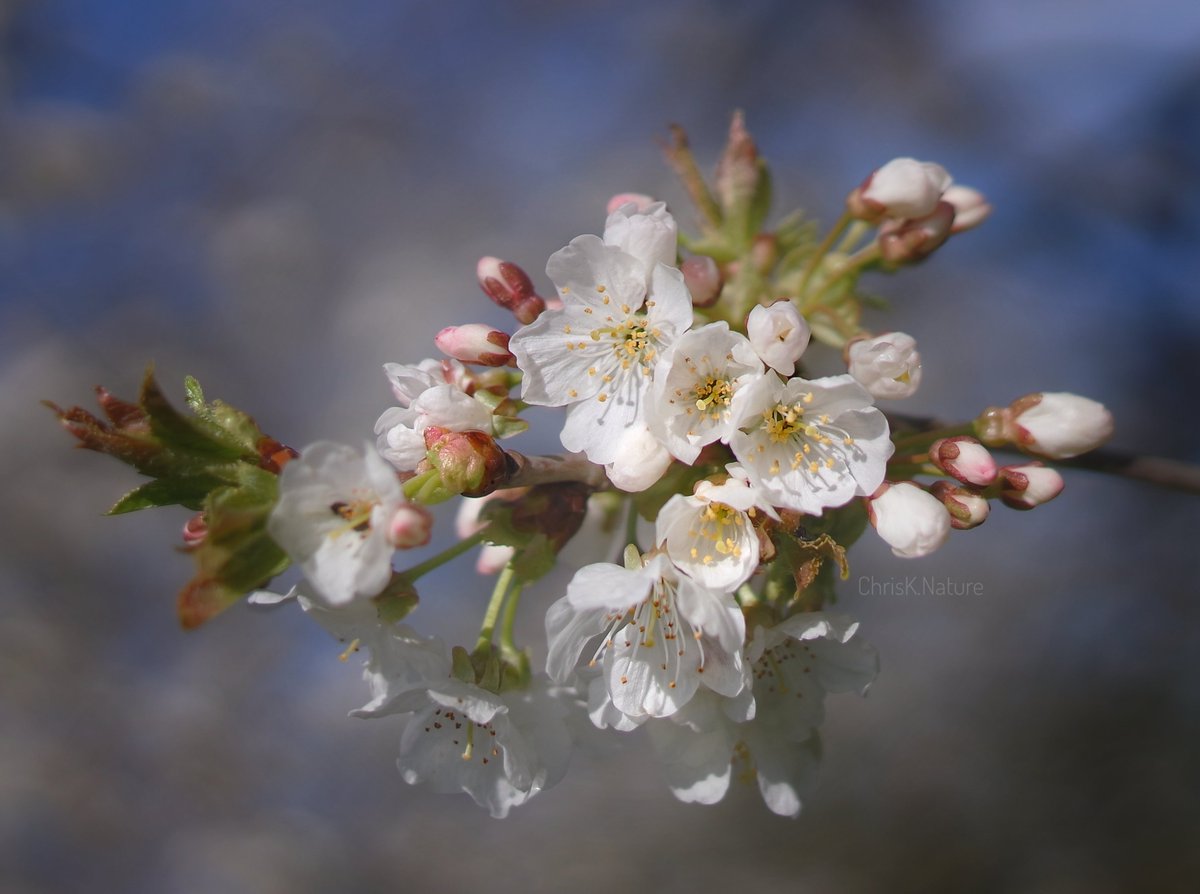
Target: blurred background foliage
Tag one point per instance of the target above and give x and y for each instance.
(279, 197)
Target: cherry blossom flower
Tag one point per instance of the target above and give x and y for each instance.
(887, 365)
(794, 665)
(622, 306)
(809, 445)
(710, 535)
(902, 188)
(695, 386)
(663, 636)
(1060, 425)
(334, 514)
(779, 334)
(431, 393)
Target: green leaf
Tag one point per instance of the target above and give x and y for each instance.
(187, 491)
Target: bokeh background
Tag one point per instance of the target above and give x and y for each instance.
(279, 197)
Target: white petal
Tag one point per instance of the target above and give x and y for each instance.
(610, 587)
(579, 269)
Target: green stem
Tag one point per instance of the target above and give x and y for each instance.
(510, 618)
(907, 443)
(855, 233)
(823, 249)
(503, 583)
(444, 556)
(631, 523)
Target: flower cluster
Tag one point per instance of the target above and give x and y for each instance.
(707, 496)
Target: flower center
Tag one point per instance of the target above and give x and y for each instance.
(715, 521)
(632, 341)
(713, 390)
(356, 514)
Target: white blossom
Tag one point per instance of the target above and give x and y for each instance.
(622, 306)
(887, 365)
(971, 208)
(711, 535)
(501, 749)
(810, 445)
(333, 518)
(429, 393)
(695, 388)
(779, 334)
(641, 459)
(663, 635)
(794, 664)
(912, 521)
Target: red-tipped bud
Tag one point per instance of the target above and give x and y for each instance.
(510, 287)
(1058, 424)
(475, 343)
(639, 200)
(967, 508)
(703, 279)
(971, 208)
(469, 462)
(914, 240)
(1029, 485)
(410, 526)
(964, 458)
(195, 529)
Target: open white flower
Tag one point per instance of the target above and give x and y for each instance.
(664, 635)
(501, 749)
(794, 665)
(429, 393)
(808, 445)
(622, 306)
(695, 387)
(334, 513)
(710, 535)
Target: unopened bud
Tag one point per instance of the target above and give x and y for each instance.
(1059, 425)
(964, 458)
(410, 526)
(887, 365)
(639, 200)
(475, 343)
(910, 520)
(510, 287)
(640, 461)
(1029, 485)
(469, 462)
(967, 508)
(703, 279)
(903, 188)
(971, 208)
(915, 240)
(195, 529)
(778, 334)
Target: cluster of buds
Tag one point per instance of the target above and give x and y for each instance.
(707, 496)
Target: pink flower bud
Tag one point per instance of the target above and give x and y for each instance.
(887, 365)
(640, 201)
(469, 462)
(510, 287)
(903, 188)
(967, 508)
(964, 458)
(910, 520)
(475, 343)
(1029, 485)
(493, 557)
(778, 334)
(914, 240)
(703, 279)
(410, 526)
(971, 208)
(195, 529)
(1059, 425)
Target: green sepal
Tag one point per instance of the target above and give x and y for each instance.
(461, 667)
(196, 440)
(397, 600)
(507, 426)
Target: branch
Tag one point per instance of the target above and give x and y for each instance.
(531, 470)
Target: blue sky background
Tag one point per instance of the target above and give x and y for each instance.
(279, 197)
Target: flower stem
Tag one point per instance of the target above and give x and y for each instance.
(631, 523)
(823, 249)
(503, 583)
(916, 440)
(446, 555)
(510, 617)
